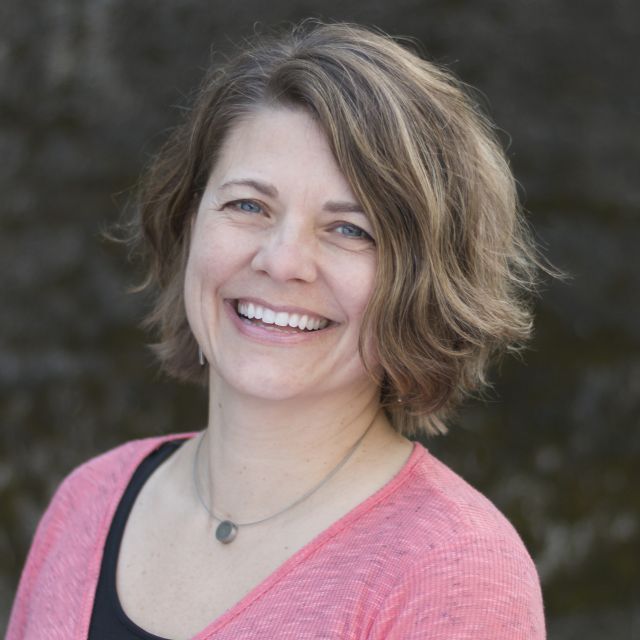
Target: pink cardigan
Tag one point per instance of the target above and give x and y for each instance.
(426, 556)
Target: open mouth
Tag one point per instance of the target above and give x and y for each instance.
(279, 320)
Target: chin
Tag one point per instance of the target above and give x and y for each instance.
(266, 387)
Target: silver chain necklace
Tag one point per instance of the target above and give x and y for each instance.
(227, 530)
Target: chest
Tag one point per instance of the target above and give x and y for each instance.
(175, 584)
(174, 579)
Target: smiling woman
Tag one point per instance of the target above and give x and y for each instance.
(337, 252)
(270, 231)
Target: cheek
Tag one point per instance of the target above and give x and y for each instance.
(210, 261)
(218, 250)
(193, 297)
(205, 272)
(356, 288)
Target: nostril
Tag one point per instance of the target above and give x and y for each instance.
(284, 261)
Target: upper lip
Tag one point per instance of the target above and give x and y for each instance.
(281, 308)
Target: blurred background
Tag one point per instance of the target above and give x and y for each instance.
(88, 90)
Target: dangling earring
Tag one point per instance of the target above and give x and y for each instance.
(201, 358)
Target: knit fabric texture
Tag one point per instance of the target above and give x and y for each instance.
(425, 557)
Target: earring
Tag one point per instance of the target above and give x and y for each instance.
(201, 358)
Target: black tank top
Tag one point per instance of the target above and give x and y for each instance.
(108, 620)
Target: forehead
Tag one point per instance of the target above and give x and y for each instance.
(281, 145)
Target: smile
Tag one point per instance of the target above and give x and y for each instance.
(267, 316)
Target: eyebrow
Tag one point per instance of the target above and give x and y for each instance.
(332, 206)
(263, 187)
(342, 207)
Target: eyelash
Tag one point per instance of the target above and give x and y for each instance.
(237, 204)
(363, 234)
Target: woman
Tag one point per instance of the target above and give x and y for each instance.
(335, 242)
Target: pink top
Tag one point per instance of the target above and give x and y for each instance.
(426, 556)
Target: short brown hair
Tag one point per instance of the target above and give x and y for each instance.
(456, 262)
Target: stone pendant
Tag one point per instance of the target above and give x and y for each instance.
(226, 532)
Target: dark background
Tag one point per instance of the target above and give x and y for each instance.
(87, 92)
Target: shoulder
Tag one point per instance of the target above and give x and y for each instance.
(461, 564)
(108, 473)
(70, 536)
(123, 456)
(453, 523)
(444, 508)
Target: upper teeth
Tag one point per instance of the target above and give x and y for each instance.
(281, 318)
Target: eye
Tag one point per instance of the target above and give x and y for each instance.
(248, 206)
(352, 231)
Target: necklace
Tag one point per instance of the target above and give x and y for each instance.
(227, 530)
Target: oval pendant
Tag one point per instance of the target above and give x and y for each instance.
(226, 531)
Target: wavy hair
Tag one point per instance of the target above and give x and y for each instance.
(457, 265)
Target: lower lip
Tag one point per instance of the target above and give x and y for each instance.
(262, 334)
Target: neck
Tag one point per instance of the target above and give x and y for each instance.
(261, 455)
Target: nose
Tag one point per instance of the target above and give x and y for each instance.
(287, 253)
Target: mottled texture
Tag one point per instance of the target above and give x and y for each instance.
(425, 556)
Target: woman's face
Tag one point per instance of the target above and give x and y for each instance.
(281, 263)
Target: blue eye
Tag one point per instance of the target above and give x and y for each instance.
(249, 206)
(351, 231)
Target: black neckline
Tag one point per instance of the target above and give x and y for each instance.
(109, 620)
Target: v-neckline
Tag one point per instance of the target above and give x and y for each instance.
(283, 569)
